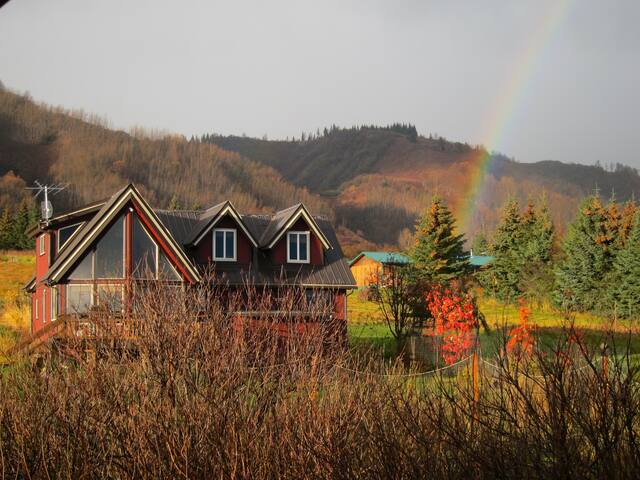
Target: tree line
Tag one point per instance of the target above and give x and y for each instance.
(594, 268)
(14, 224)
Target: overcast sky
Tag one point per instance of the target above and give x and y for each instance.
(282, 67)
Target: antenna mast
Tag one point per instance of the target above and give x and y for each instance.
(46, 207)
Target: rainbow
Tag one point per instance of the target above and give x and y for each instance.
(499, 120)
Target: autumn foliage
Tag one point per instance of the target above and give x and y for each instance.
(521, 338)
(455, 318)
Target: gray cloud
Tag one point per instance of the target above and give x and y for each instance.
(285, 66)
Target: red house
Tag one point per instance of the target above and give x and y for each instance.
(86, 257)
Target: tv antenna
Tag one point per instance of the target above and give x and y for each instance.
(47, 190)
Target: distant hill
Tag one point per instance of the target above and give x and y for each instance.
(374, 181)
(378, 179)
(52, 144)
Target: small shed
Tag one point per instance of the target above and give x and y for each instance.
(367, 265)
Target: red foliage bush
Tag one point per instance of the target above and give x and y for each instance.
(455, 319)
(521, 338)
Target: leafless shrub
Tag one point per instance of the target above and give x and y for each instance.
(199, 397)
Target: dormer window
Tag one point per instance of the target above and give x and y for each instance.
(298, 247)
(224, 245)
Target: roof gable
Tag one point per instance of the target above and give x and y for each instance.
(92, 229)
(285, 219)
(212, 216)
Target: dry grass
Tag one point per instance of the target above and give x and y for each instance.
(16, 267)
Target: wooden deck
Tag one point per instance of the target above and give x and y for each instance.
(69, 327)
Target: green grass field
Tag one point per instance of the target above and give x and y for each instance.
(366, 327)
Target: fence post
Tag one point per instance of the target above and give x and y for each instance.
(475, 374)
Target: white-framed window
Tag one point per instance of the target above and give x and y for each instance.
(224, 244)
(44, 305)
(54, 303)
(41, 243)
(298, 247)
(36, 308)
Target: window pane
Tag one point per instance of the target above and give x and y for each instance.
(293, 246)
(78, 298)
(143, 250)
(84, 269)
(64, 234)
(230, 239)
(302, 245)
(110, 296)
(167, 272)
(219, 247)
(109, 252)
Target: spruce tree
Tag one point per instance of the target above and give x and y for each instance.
(20, 223)
(537, 239)
(438, 252)
(587, 259)
(627, 220)
(5, 229)
(624, 281)
(503, 277)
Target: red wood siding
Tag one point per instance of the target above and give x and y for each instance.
(279, 252)
(204, 250)
(340, 305)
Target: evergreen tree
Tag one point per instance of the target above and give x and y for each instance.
(613, 225)
(5, 229)
(503, 277)
(624, 282)
(627, 220)
(174, 204)
(587, 259)
(537, 234)
(537, 239)
(20, 223)
(438, 253)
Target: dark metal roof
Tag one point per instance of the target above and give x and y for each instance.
(204, 219)
(181, 223)
(275, 224)
(334, 272)
(185, 225)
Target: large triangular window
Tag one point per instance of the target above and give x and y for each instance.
(106, 259)
(149, 262)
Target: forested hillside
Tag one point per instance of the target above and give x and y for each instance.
(380, 179)
(51, 144)
(374, 181)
